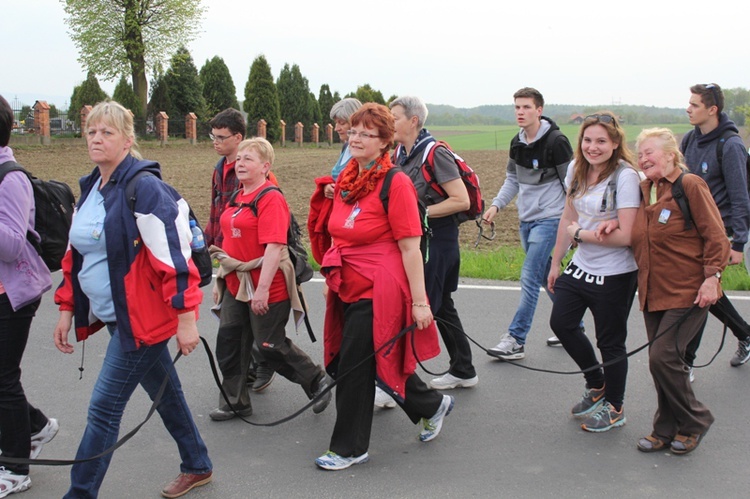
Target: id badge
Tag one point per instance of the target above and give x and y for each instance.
(349, 223)
(664, 216)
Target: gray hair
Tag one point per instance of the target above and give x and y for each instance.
(344, 108)
(413, 106)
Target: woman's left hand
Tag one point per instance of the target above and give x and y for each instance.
(708, 294)
(187, 333)
(422, 316)
(259, 303)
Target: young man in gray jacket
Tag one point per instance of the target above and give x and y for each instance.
(727, 179)
(539, 158)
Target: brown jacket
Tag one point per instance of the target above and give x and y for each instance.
(672, 262)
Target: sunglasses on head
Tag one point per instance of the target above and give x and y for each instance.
(602, 118)
(714, 91)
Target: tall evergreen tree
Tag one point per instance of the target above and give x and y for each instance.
(219, 91)
(184, 89)
(262, 100)
(294, 93)
(313, 109)
(125, 95)
(325, 102)
(159, 94)
(88, 93)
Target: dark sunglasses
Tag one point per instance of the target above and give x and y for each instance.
(714, 91)
(482, 235)
(602, 118)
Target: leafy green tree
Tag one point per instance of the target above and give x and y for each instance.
(325, 102)
(366, 93)
(125, 95)
(336, 96)
(159, 94)
(184, 89)
(116, 37)
(294, 92)
(262, 99)
(313, 110)
(219, 91)
(88, 93)
(734, 100)
(53, 111)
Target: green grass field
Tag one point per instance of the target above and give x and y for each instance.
(497, 137)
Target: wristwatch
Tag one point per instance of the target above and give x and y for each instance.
(577, 235)
(717, 275)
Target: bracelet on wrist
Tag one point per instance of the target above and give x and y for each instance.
(420, 305)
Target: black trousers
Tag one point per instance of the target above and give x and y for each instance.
(18, 418)
(355, 392)
(609, 298)
(441, 280)
(727, 314)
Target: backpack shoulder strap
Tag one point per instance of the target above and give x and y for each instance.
(549, 148)
(11, 166)
(728, 134)
(254, 204)
(686, 140)
(678, 193)
(130, 188)
(387, 186)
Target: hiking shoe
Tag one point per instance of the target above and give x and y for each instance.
(554, 341)
(45, 435)
(383, 400)
(431, 427)
(332, 461)
(604, 419)
(448, 381)
(225, 413)
(742, 354)
(323, 402)
(263, 377)
(590, 402)
(507, 349)
(10, 483)
(185, 482)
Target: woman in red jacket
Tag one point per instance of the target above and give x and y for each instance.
(375, 276)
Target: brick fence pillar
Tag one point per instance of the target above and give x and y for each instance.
(191, 128)
(329, 134)
(299, 130)
(315, 133)
(283, 133)
(161, 123)
(41, 121)
(262, 128)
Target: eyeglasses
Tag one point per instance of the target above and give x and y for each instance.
(362, 135)
(219, 138)
(602, 118)
(481, 235)
(714, 91)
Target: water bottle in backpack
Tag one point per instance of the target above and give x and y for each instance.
(197, 243)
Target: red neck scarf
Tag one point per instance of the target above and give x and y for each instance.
(355, 184)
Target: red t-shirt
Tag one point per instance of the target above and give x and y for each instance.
(228, 167)
(246, 237)
(366, 222)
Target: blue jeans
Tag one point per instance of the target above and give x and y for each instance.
(537, 239)
(121, 373)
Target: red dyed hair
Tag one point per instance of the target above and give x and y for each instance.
(378, 117)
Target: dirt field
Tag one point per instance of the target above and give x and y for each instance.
(188, 168)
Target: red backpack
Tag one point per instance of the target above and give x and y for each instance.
(468, 176)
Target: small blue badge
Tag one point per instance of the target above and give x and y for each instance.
(704, 167)
(664, 216)
(535, 164)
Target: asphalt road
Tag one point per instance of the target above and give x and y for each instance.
(511, 436)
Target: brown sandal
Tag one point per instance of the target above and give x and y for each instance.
(682, 444)
(651, 444)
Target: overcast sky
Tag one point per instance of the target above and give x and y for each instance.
(463, 53)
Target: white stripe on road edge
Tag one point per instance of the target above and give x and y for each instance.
(518, 288)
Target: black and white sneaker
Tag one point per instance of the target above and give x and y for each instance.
(742, 355)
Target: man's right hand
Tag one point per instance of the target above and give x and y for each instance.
(489, 215)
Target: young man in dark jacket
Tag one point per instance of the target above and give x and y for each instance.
(728, 183)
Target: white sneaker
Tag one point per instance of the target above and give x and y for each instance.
(431, 427)
(507, 349)
(383, 400)
(448, 381)
(10, 483)
(554, 341)
(44, 436)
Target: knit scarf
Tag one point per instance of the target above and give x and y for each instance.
(355, 184)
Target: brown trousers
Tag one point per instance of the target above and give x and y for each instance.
(678, 410)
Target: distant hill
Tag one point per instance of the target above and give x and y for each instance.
(504, 115)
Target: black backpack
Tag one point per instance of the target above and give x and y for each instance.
(424, 242)
(548, 150)
(728, 134)
(303, 272)
(54, 202)
(201, 257)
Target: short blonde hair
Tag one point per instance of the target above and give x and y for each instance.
(260, 146)
(112, 113)
(668, 144)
